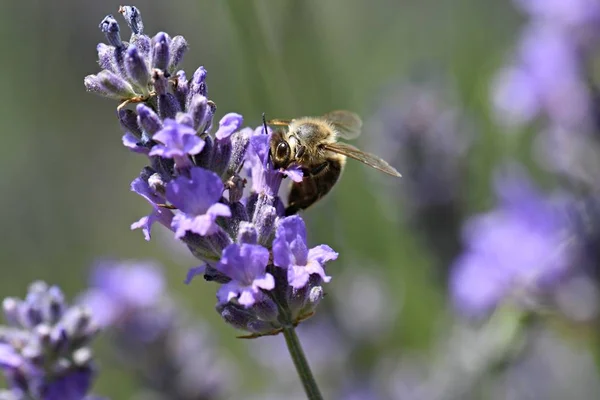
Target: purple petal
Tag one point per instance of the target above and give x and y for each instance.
(321, 254)
(203, 224)
(193, 272)
(248, 296)
(297, 276)
(219, 210)
(141, 187)
(145, 224)
(228, 291)
(8, 357)
(294, 173)
(132, 143)
(266, 282)
(282, 257)
(229, 123)
(244, 263)
(165, 217)
(176, 140)
(195, 195)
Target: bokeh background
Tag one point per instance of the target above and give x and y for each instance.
(407, 67)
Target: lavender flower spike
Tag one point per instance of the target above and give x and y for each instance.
(44, 353)
(246, 266)
(216, 189)
(520, 248)
(290, 252)
(197, 198)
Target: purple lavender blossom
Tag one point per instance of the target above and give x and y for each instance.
(291, 252)
(44, 351)
(197, 199)
(178, 141)
(246, 265)
(518, 249)
(158, 214)
(229, 124)
(153, 335)
(196, 181)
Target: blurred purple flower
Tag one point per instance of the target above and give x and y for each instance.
(152, 334)
(117, 291)
(246, 265)
(564, 12)
(44, 351)
(519, 248)
(197, 199)
(291, 253)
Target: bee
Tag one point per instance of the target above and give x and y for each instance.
(312, 143)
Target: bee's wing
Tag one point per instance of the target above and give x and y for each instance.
(366, 158)
(347, 124)
(279, 122)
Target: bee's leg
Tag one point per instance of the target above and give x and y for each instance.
(314, 186)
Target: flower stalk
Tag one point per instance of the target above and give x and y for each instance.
(301, 363)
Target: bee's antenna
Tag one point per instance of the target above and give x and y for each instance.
(264, 123)
(265, 127)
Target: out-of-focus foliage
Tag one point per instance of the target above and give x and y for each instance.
(421, 74)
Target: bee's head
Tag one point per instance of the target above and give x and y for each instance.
(280, 151)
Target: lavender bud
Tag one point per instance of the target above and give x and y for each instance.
(241, 318)
(265, 222)
(198, 110)
(197, 84)
(38, 359)
(265, 310)
(11, 307)
(240, 141)
(312, 300)
(110, 27)
(136, 68)
(222, 154)
(148, 120)
(185, 119)
(219, 241)
(143, 43)
(204, 158)
(168, 106)
(108, 84)
(247, 233)
(181, 88)
(160, 51)
(133, 16)
(105, 56)
(208, 119)
(55, 306)
(128, 120)
(177, 50)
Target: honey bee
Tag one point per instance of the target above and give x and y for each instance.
(312, 143)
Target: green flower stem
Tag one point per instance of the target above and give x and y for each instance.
(304, 372)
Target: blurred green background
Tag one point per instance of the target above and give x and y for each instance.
(65, 175)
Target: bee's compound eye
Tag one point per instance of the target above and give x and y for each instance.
(283, 151)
